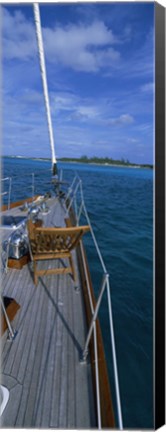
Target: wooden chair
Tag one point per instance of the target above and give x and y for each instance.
(54, 243)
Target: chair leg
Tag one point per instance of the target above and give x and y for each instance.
(72, 267)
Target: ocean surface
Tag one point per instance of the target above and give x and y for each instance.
(119, 201)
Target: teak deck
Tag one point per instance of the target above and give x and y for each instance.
(49, 387)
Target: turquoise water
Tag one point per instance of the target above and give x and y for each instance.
(120, 205)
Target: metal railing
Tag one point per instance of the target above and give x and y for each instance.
(71, 199)
(8, 191)
(23, 187)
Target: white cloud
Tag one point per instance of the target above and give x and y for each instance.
(132, 140)
(123, 119)
(63, 101)
(90, 112)
(18, 36)
(79, 46)
(82, 47)
(70, 106)
(74, 107)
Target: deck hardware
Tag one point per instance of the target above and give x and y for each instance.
(33, 186)
(6, 249)
(7, 192)
(11, 332)
(9, 196)
(10, 336)
(44, 208)
(24, 207)
(16, 245)
(84, 357)
(33, 213)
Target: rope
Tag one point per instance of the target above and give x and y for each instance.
(44, 78)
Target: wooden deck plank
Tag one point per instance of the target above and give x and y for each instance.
(9, 359)
(42, 354)
(46, 391)
(64, 364)
(32, 365)
(49, 388)
(71, 379)
(54, 413)
(38, 403)
(43, 394)
(30, 335)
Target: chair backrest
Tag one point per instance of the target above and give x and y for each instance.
(54, 240)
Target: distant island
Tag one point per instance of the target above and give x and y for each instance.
(92, 160)
(105, 161)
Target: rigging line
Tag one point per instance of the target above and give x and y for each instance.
(118, 399)
(44, 81)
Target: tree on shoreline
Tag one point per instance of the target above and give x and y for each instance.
(104, 161)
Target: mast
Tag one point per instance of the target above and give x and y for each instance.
(44, 81)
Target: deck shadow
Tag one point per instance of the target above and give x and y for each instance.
(71, 334)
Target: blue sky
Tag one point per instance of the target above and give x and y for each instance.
(100, 70)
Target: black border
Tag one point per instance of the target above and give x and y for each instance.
(159, 408)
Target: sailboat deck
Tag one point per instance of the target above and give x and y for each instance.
(48, 386)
